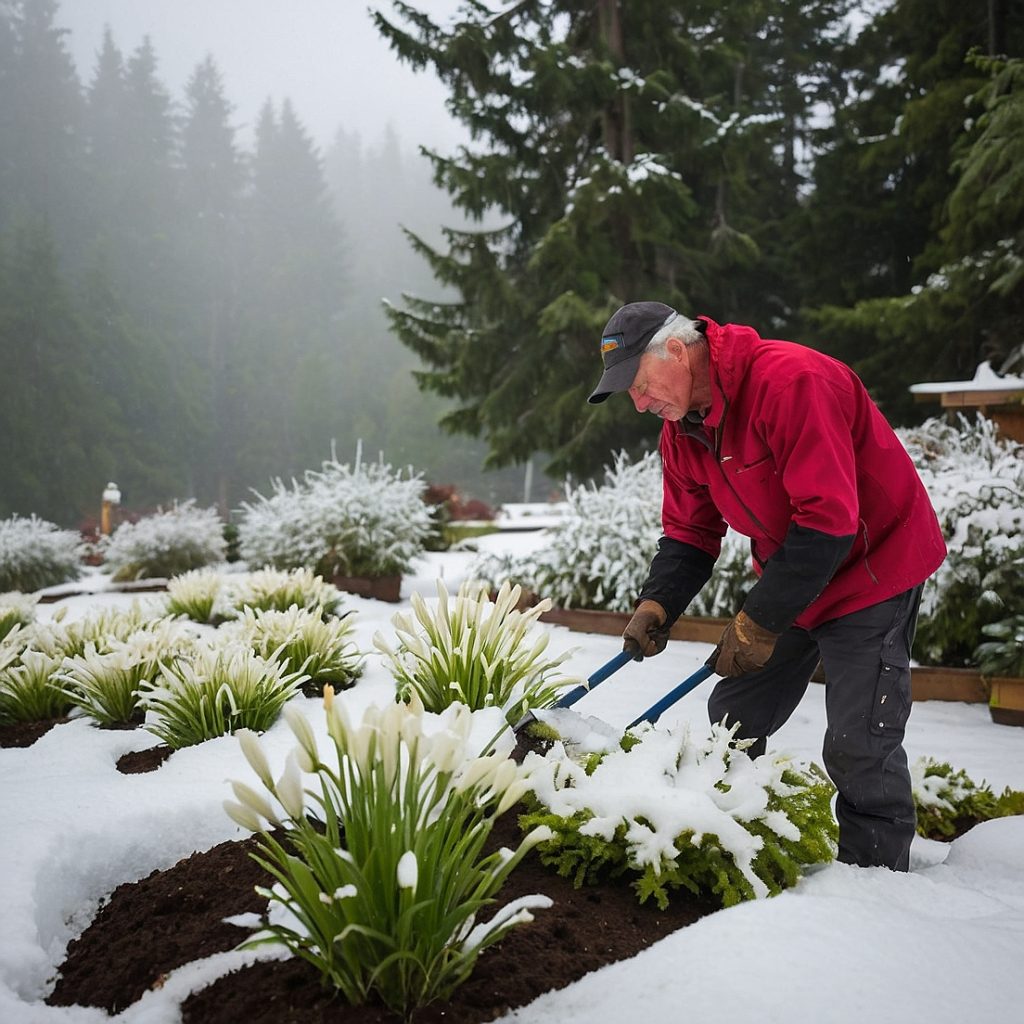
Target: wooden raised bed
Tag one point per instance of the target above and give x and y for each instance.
(927, 682)
(382, 588)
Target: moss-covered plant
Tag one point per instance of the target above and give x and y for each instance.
(36, 554)
(380, 872)
(949, 801)
(475, 651)
(677, 812)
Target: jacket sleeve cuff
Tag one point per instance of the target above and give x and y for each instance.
(677, 573)
(795, 576)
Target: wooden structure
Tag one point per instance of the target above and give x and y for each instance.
(1000, 399)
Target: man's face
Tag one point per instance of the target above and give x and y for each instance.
(663, 386)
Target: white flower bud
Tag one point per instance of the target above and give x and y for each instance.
(512, 795)
(299, 725)
(256, 802)
(253, 752)
(242, 816)
(408, 870)
(289, 790)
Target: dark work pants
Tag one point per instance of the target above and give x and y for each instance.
(866, 656)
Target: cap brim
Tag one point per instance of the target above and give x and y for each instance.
(616, 378)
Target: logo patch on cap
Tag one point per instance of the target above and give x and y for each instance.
(610, 343)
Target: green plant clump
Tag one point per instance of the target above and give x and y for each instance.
(381, 865)
(16, 609)
(28, 692)
(700, 816)
(475, 651)
(277, 590)
(949, 802)
(197, 595)
(1003, 655)
(214, 693)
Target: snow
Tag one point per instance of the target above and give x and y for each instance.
(940, 944)
(985, 379)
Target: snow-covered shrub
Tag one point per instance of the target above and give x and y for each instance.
(197, 595)
(215, 692)
(682, 812)
(278, 590)
(28, 692)
(975, 480)
(381, 892)
(168, 543)
(105, 685)
(304, 641)
(36, 554)
(599, 554)
(1003, 655)
(363, 521)
(477, 652)
(16, 609)
(949, 802)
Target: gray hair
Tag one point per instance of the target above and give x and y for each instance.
(681, 327)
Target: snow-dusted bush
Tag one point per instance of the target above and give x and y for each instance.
(975, 480)
(28, 692)
(16, 609)
(599, 554)
(677, 811)
(949, 801)
(381, 891)
(477, 652)
(102, 629)
(304, 641)
(168, 543)
(278, 590)
(105, 685)
(36, 554)
(215, 692)
(198, 595)
(367, 520)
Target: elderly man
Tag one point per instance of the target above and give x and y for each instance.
(784, 445)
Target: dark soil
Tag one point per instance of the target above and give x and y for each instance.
(173, 917)
(24, 734)
(139, 761)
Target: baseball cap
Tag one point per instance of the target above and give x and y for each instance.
(623, 341)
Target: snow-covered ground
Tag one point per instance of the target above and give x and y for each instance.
(941, 944)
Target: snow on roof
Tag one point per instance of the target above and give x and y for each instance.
(985, 379)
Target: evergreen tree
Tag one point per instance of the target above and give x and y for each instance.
(622, 153)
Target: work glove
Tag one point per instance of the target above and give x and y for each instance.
(646, 634)
(744, 647)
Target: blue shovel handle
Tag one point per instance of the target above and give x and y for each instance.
(654, 712)
(596, 679)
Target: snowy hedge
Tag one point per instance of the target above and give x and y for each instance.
(36, 554)
(976, 482)
(598, 556)
(366, 520)
(166, 544)
(678, 811)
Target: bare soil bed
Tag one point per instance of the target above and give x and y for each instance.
(148, 928)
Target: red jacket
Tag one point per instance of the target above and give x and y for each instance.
(792, 437)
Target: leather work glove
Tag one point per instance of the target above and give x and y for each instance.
(646, 634)
(744, 647)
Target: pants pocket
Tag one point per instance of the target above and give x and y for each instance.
(891, 706)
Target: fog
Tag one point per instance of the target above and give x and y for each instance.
(325, 55)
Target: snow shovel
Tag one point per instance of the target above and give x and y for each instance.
(580, 691)
(654, 712)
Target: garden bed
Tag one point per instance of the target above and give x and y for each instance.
(150, 927)
(381, 588)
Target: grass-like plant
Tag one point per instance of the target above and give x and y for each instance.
(70, 638)
(197, 595)
(276, 590)
(949, 801)
(383, 886)
(28, 692)
(475, 651)
(16, 609)
(304, 641)
(214, 692)
(699, 815)
(36, 554)
(106, 685)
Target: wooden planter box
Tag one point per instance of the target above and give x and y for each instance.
(1007, 702)
(927, 682)
(381, 588)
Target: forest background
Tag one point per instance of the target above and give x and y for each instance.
(192, 316)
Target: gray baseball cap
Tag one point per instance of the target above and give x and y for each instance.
(623, 341)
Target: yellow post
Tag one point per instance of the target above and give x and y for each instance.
(111, 499)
